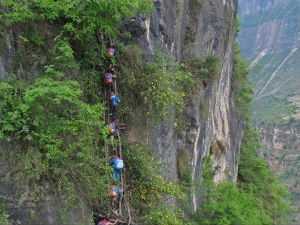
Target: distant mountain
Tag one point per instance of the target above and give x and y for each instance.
(269, 39)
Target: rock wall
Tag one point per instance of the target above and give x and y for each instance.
(190, 28)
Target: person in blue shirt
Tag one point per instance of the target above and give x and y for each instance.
(118, 165)
(114, 101)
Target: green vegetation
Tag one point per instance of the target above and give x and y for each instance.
(255, 177)
(149, 190)
(274, 109)
(204, 69)
(3, 216)
(243, 92)
(159, 85)
(257, 197)
(189, 35)
(54, 119)
(56, 138)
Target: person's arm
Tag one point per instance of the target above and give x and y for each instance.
(110, 223)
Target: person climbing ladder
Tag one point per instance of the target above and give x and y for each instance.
(118, 165)
(114, 101)
(111, 51)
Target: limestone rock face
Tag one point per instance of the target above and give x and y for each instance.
(197, 28)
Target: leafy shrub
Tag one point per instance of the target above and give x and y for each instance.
(3, 216)
(159, 86)
(57, 137)
(206, 69)
(148, 189)
(163, 216)
(226, 204)
(80, 25)
(243, 90)
(255, 178)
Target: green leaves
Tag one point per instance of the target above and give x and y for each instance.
(60, 135)
(16, 11)
(160, 86)
(3, 215)
(228, 205)
(256, 178)
(149, 189)
(241, 85)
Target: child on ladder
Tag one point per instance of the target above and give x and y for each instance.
(118, 165)
(114, 101)
(115, 192)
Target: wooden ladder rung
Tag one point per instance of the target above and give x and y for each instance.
(122, 126)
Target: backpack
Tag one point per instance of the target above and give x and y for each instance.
(119, 164)
(111, 131)
(108, 79)
(117, 190)
(111, 51)
(112, 193)
(115, 100)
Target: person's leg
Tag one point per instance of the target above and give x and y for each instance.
(114, 85)
(111, 109)
(114, 204)
(109, 89)
(118, 175)
(114, 110)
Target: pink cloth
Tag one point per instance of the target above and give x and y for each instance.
(103, 222)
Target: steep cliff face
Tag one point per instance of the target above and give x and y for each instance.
(197, 28)
(181, 28)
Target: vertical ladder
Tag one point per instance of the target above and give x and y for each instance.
(125, 196)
